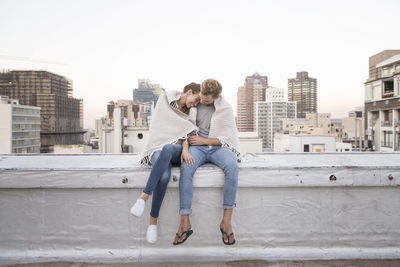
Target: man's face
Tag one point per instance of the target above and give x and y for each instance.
(206, 99)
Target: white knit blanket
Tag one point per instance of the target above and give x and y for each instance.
(223, 125)
(168, 125)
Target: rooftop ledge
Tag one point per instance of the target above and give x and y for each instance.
(290, 207)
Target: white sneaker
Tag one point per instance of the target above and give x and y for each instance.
(138, 208)
(151, 234)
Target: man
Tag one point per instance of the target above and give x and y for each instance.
(217, 142)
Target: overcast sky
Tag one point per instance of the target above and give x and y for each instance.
(105, 46)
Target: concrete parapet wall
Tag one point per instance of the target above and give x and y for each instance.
(289, 207)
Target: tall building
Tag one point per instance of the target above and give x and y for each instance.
(80, 113)
(147, 92)
(19, 127)
(382, 101)
(60, 116)
(303, 90)
(268, 115)
(252, 91)
(373, 70)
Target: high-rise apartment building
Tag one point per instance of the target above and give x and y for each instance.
(80, 113)
(252, 91)
(147, 92)
(303, 90)
(19, 127)
(382, 101)
(268, 115)
(60, 116)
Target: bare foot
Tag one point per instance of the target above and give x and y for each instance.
(153, 221)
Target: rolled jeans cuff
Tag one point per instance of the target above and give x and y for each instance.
(147, 192)
(185, 211)
(154, 215)
(229, 207)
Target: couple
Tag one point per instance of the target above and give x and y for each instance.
(189, 137)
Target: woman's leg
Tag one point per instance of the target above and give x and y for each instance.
(161, 187)
(160, 165)
(158, 196)
(161, 162)
(159, 193)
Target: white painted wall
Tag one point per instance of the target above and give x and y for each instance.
(368, 92)
(295, 143)
(250, 142)
(248, 145)
(117, 131)
(343, 147)
(132, 138)
(377, 90)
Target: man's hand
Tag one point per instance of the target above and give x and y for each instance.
(185, 156)
(197, 140)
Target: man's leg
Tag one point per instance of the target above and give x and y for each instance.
(186, 189)
(225, 159)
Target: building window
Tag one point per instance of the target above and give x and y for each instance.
(388, 89)
(306, 148)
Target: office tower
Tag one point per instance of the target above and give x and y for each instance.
(252, 91)
(147, 92)
(19, 127)
(303, 90)
(382, 101)
(60, 116)
(268, 115)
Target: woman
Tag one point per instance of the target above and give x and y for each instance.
(171, 125)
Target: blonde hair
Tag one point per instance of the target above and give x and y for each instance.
(211, 87)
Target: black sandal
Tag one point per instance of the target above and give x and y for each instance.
(188, 233)
(227, 236)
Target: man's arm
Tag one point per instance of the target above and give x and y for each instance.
(185, 156)
(199, 141)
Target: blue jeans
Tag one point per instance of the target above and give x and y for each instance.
(224, 158)
(160, 174)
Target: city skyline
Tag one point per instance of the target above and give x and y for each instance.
(105, 47)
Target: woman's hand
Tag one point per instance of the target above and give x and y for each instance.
(185, 156)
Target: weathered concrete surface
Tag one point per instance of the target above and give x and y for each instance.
(330, 263)
(294, 209)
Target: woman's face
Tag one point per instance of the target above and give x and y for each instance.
(192, 99)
